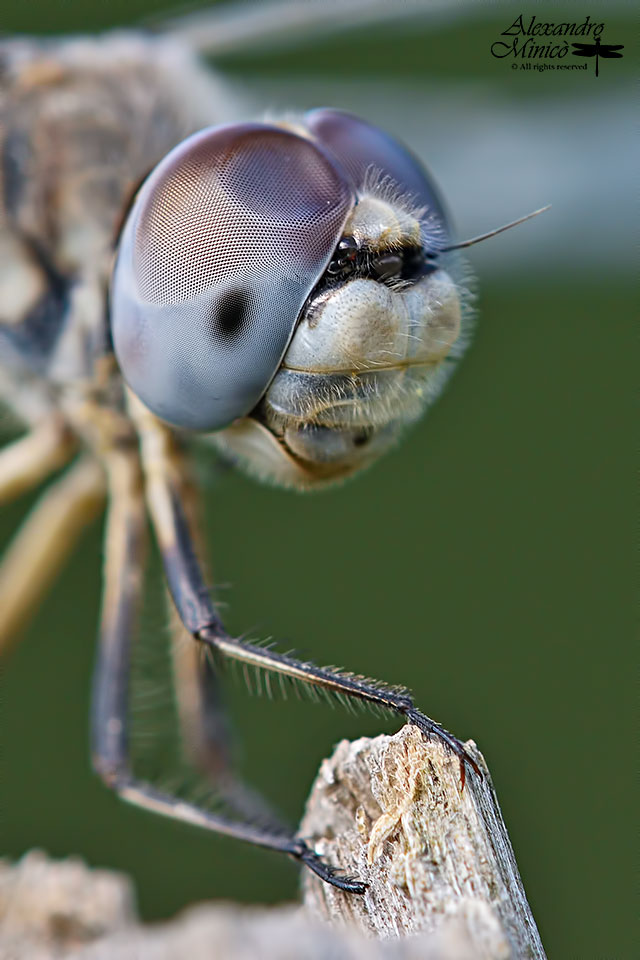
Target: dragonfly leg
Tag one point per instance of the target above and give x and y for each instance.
(124, 549)
(205, 729)
(339, 682)
(193, 602)
(172, 502)
(206, 734)
(33, 457)
(45, 540)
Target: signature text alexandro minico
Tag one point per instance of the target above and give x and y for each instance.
(528, 42)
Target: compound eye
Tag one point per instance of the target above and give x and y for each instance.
(364, 150)
(224, 243)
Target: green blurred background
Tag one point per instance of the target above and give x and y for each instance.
(486, 562)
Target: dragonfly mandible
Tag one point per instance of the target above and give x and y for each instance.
(286, 290)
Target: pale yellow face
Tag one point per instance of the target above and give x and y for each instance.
(365, 360)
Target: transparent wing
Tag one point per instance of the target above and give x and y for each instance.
(240, 27)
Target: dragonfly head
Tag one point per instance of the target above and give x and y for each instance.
(288, 289)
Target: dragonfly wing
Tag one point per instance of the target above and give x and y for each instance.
(241, 27)
(584, 50)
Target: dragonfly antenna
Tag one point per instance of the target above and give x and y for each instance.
(492, 233)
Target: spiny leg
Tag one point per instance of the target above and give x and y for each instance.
(124, 551)
(33, 457)
(192, 599)
(206, 733)
(340, 683)
(45, 540)
(204, 723)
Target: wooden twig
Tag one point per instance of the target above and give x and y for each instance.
(437, 860)
(391, 810)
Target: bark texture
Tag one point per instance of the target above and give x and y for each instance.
(393, 812)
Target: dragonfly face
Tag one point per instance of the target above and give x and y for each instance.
(285, 285)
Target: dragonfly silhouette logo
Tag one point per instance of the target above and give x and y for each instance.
(533, 44)
(608, 51)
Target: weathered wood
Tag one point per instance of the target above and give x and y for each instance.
(443, 882)
(391, 811)
(50, 910)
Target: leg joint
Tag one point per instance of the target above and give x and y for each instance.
(113, 775)
(210, 632)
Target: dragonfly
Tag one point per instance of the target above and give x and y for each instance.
(606, 50)
(286, 291)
